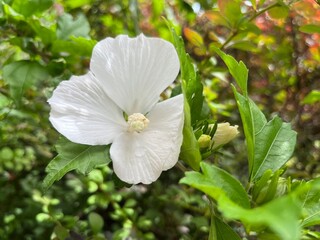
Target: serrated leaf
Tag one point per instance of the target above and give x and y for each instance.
(279, 136)
(253, 121)
(30, 7)
(21, 75)
(238, 70)
(274, 145)
(311, 205)
(72, 156)
(216, 183)
(270, 145)
(67, 26)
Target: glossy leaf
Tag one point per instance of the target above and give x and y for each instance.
(253, 121)
(21, 75)
(216, 183)
(72, 156)
(311, 205)
(270, 144)
(273, 146)
(238, 70)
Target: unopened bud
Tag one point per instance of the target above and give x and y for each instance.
(224, 134)
(204, 141)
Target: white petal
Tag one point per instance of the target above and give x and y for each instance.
(141, 157)
(83, 113)
(135, 71)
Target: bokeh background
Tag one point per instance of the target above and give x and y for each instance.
(45, 42)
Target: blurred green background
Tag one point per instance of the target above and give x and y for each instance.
(45, 42)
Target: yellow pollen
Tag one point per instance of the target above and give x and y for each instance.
(137, 122)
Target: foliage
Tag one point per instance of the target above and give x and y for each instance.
(241, 61)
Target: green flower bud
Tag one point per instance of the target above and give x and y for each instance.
(204, 141)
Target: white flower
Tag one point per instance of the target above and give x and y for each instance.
(224, 134)
(117, 102)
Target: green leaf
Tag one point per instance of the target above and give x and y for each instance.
(71, 4)
(280, 215)
(223, 230)
(46, 33)
(21, 75)
(311, 206)
(193, 103)
(79, 46)
(231, 10)
(279, 12)
(253, 121)
(30, 7)
(67, 26)
(310, 28)
(9, 12)
(61, 232)
(96, 222)
(274, 145)
(72, 156)
(312, 97)
(254, 4)
(216, 183)
(190, 151)
(270, 144)
(245, 46)
(238, 70)
(192, 87)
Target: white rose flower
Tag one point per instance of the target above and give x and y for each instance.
(117, 102)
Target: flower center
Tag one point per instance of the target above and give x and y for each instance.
(137, 122)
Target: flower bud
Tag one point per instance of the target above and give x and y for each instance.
(204, 141)
(224, 134)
